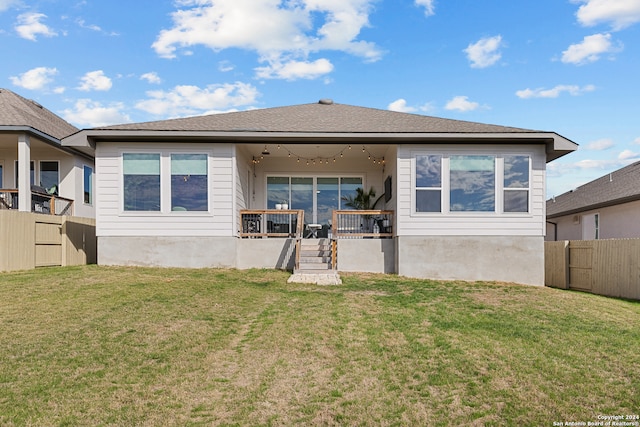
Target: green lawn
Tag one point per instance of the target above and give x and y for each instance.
(132, 346)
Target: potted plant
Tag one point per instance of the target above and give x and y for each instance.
(363, 201)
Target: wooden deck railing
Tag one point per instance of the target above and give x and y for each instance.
(271, 223)
(40, 202)
(359, 224)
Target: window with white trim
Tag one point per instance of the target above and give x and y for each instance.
(459, 183)
(472, 183)
(88, 185)
(189, 182)
(516, 183)
(141, 181)
(429, 183)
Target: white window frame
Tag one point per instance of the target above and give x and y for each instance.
(39, 175)
(91, 183)
(315, 184)
(165, 182)
(446, 182)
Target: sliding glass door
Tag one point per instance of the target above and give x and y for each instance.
(317, 196)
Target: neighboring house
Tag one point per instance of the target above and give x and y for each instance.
(605, 208)
(38, 174)
(461, 200)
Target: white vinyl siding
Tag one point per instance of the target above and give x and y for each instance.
(495, 223)
(112, 220)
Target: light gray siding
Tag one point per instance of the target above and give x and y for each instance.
(410, 223)
(112, 220)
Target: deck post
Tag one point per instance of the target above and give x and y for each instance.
(24, 173)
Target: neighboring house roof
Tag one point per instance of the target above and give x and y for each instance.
(620, 186)
(19, 114)
(320, 122)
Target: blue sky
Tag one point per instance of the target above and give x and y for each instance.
(569, 66)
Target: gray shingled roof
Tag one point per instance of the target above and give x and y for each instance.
(318, 118)
(620, 186)
(18, 111)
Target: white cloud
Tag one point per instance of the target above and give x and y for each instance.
(401, 106)
(95, 80)
(93, 27)
(573, 90)
(627, 155)
(485, 52)
(83, 24)
(29, 26)
(225, 66)
(590, 49)
(636, 141)
(293, 70)
(88, 113)
(429, 6)
(59, 90)
(600, 144)
(151, 77)
(191, 100)
(619, 13)
(279, 32)
(461, 103)
(6, 4)
(35, 79)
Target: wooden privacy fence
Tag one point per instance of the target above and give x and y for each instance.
(29, 240)
(603, 267)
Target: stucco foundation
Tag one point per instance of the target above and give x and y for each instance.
(518, 259)
(366, 255)
(187, 252)
(197, 252)
(266, 253)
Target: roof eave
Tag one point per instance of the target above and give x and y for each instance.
(593, 206)
(556, 145)
(47, 139)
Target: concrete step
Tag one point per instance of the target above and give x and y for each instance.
(313, 254)
(315, 259)
(314, 266)
(327, 278)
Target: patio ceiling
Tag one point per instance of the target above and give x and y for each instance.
(316, 151)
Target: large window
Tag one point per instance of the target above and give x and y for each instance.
(141, 182)
(472, 183)
(317, 196)
(88, 185)
(189, 182)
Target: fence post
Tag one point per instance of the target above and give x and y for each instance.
(565, 263)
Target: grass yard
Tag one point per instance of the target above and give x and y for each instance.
(132, 346)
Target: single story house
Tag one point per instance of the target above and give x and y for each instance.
(454, 199)
(37, 173)
(605, 208)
